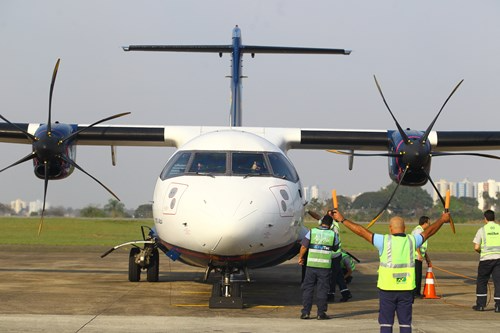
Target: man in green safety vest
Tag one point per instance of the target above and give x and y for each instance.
(320, 243)
(396, 273)
(348, 266)
(422, 254)
(487, 244)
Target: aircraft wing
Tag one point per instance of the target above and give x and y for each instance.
(285, 138)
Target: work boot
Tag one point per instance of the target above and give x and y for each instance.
(323, 316)
(478, 307)
(346, 295)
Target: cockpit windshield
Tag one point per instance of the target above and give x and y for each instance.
(230, 163)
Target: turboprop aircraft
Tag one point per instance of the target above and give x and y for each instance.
(229, 199)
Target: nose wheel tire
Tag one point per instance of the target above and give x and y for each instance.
(134, 270)
(153, 270)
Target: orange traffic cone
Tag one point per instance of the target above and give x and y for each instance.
(429, 289)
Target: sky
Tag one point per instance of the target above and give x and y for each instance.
(419, 51)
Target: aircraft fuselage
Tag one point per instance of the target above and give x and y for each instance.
(240, 204)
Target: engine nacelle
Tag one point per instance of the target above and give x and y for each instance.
(413, 154)
(50, 150)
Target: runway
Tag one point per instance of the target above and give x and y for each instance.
(68, 289)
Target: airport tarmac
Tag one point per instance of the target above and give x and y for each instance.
(71, 289)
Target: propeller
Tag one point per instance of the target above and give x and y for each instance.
(413, 153)
(50, 148)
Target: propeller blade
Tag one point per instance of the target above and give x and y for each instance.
(437, 154)
(45, 186)
(70, 161)
(435, 187)
(30, 136)
(54, 75)
(348, 153)
(423, 139)
(400, 129)
(390, 199)
(92, 125)
(28, 157)
(445, 203)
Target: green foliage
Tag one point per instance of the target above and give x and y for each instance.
(115, 208)
(5, 210)
(144, 211)
(316, 205)
(92, 211)
(462, 210)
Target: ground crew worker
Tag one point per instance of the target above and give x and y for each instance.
(396, 273)
(422, 254)
(348, 266)
(487, 244)
(337, 277)
(320, 243)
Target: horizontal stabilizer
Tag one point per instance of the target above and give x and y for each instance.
(181, 48)
(292, 50)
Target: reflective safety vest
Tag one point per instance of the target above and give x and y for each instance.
(397, 263)
(336, 228)
(349, 260)
(321, 248)
(490, 243)
(423, 247)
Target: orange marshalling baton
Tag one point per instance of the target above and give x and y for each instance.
(334, 198)
(447, 209)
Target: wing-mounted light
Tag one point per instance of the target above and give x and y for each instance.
(53, 151)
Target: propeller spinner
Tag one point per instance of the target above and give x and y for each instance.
(52, 149)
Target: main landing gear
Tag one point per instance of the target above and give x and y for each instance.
(226, 294)
(145, 258)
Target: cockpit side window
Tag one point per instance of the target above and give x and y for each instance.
(176, 166)
(282, 168)
(209, 162)
(249, 163)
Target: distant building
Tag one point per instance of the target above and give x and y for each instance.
(314, 192)
(491, 187)
(307, 193)
(465, 189)
(36, 206)
(17, 206)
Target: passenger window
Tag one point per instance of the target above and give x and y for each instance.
(249, 163)
(176, 166)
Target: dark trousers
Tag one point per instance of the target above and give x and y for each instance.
(486, 269)
(395, 302)
(337, 277)
(418, 278)
(318, 278)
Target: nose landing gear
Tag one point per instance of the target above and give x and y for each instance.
(227, 294)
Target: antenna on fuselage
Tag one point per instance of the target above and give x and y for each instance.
(237, 49)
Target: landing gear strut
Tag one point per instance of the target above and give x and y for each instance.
(226, 294)
(145, 258)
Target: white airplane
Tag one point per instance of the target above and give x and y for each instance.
(229, 199)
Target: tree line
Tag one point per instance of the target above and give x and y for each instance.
(408, 202)
(113, 209)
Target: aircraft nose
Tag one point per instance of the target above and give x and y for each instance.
(246, 222)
